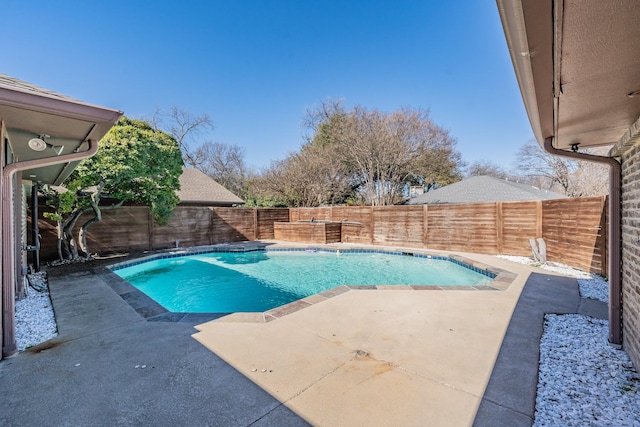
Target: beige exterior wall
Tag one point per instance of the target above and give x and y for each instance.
(631, 253)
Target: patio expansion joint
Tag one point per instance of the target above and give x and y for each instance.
(260, 418)
(439, 382)
(507, 408)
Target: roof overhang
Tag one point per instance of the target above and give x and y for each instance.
(28, 111)
(577, 66)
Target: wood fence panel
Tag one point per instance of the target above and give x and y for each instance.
(398, 225)
(519, 224)
(319, 214)
(357, 220)
(308, 232)
(188, 224)
(125, 227)
(266, 218)
(574, 232)
(231, 224)
(463, 227)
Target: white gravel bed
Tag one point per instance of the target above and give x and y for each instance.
(35, 321)
(582, 380)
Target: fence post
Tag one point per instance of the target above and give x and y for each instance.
(373, 228)
(210, 227)
(150, 228)
(499, 228)
(604, 250)
(255, 223)
(425, 225)
(539, 219)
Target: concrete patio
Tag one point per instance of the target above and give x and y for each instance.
(364, 357)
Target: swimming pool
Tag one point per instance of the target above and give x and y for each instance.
(257, 281)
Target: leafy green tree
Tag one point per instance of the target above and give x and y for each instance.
(135, 163)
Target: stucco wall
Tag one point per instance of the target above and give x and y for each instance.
(631, 253)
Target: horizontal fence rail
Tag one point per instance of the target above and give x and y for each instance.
(574, 229)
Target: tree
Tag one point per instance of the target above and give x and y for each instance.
(316, 174)
(135, 163)
(184, 127)
(304, 178)
(574, 178)
(362, 156)
(225, 164)
(487, 168)
(387, 152)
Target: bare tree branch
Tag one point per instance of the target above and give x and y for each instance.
(566, 176)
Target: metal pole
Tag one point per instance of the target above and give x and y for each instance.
(35, 232)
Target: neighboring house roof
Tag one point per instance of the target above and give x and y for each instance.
(480, 189)
(198, 188)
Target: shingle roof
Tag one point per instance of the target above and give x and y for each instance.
(479, 189)
(17, 84)
(198, 188)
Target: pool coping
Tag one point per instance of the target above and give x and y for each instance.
(150, 310)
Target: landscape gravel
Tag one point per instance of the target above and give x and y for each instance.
(583, 381)
(35, 321)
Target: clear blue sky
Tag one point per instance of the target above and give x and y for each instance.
(256, 66)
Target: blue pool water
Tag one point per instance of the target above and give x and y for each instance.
(223, 282)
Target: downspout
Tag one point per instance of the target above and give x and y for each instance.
(35, 232)
(614, 235)
(9, 347)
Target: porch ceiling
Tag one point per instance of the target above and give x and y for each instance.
(577, 65)
(28, 111)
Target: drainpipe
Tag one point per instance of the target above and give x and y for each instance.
(9, 347)
(614, 233)
(35, 232)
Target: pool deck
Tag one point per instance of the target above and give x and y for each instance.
(360, 358)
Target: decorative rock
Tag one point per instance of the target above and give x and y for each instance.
(35, 322)
(588, 382)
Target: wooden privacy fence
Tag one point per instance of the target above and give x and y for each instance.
(573, 229)
(132, 228)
